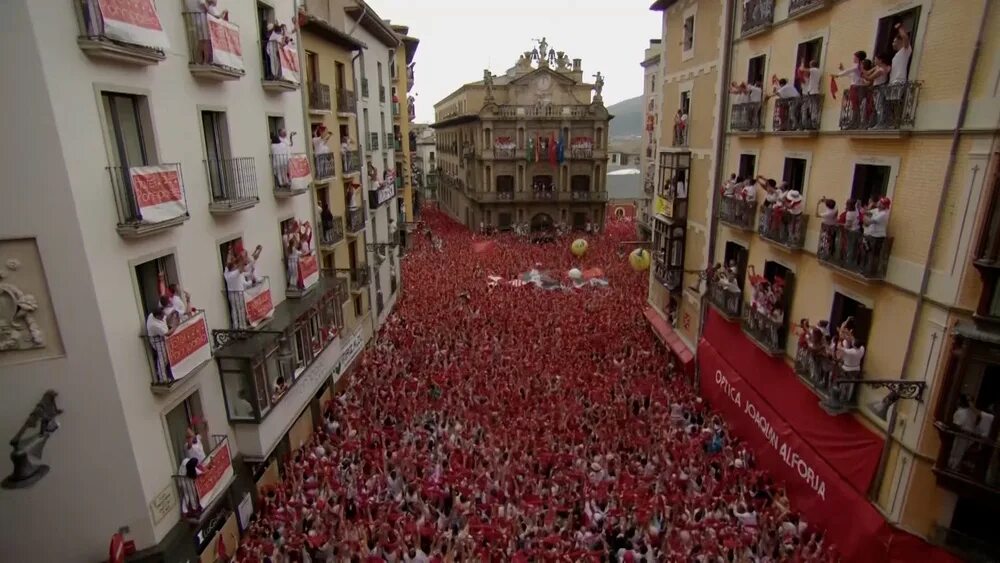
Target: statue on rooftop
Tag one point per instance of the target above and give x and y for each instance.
(598, 84)
(488, 83)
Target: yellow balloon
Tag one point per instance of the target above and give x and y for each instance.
(579, 247)
(639, 259)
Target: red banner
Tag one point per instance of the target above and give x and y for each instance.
(299, 172)
(226, 47)
(257, 301)
(158, 192)
(133, 21)
(289, 63)
(217, 468)
(187, 346)
(308, 271)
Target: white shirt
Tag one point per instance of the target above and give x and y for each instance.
(749, 193)
(281, 147)
(855, 73)
(788, 91)
(964, 418)
(812, 83)
(682, 191)
(756, 94)
(851, 220)
(829, 216)
(850, 358)
(195, 450)
(741, 98)
(985, 422)
(235, 280)
(900, 65)
(155, 326)
(878, 223)
(320, 146)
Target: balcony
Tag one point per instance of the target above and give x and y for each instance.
(879, 110)
(395, 110)
(726, 297)
(250, 307)
(667, 275)
(969, 463)
(281, 68)
(746, 118)
(364, 88)
(854, 254)
(355, 220)
(766, 332)
(372, 142)
(540, 195)
(550, 111)
(232, 184)
(302, 275)
(148, 199)
(387, 141)
(179, 354)
(757, 16)
(821, 372)
(737, 213)
(783, 229)
(680, 134)
(325, 166)
(359, 278)
(199, 494)
(581, 153)
(330, 237)
(584, 195)
(291, 174)
(798, 115)
(381, 94)
(214, 48)
(110, 39)
(319, 99)
(351, 161)
(347, 102)
(798, 8)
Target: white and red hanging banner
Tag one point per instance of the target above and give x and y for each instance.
(217, 469)
(308, 271)
(158, 192)
(133, 21)
(188, 347)
(226, 47)
(257, 301)
(299, 172)
(289, 63)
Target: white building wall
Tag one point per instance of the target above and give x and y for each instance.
(113, 454)
(378, 220)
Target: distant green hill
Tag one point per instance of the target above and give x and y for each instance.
(628, 121)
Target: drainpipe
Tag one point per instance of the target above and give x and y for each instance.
(720, 147)
(949, 172)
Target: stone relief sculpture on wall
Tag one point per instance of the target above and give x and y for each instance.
(18, 327)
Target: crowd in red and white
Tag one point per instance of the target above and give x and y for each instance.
(494, 422)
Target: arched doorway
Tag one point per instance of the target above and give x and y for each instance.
(541, 222)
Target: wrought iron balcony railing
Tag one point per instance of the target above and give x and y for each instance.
(319, 97)
(883, 107)
(798, 114)
(191, 336)
(726, 298)
(332, 234)
(757, 15)
(347, 101)
(746, 117)
(969, 458)
(355, 220)
(324, 165)
(198, 493)
(737, 212)
(202, 51)
(282, 171)
(92, 29)
(853, 252)
(351, 161)
(796, 7)
(232, 183)
(364, 87)
(780, 227)
(681, 134)
(822, 371)
(768, 332)
(140, 191)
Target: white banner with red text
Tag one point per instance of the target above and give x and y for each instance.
(188, 346)
(257, 301)
(158, 192)
(133, 21)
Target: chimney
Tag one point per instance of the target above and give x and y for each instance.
(577, 65)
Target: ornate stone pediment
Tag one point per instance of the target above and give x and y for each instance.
(27, 322)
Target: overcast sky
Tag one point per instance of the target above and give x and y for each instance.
(459, 38)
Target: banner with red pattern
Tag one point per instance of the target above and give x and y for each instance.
(217, 469)
(187, 346)
(133, 21)
(257, 301)
(158, 192)
(289, 63)
(226, 47)
(308, 271)
(299, 172)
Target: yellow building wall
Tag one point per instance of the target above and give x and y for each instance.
(707, 24)
(403, 121)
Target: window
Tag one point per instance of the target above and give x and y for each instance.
(686, 103)
(795, 174)
(154, 278)
(774, 270)
(432, 155)
(755, 70)
(748, 166)
(239, 391)
(379, 75)
(364, 117)
(870, 182)
(887, 32)
(358, 308)
(127, 128)
(845, 308)
(805, 54)
(340, 77)
(216, 134)
(182, 417)
(736, 257)
(275, 123)
(579, 220)
(579, 183)
(504, 220)
(689, 33)
(312, 67)
(381, 119)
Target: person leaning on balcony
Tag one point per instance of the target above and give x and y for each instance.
(319, 139)
(826, 210)
(876, 223)
(193, 448)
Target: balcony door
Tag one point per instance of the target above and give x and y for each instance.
(736, 259)
(182, 417)
(213, 127)
(860, 316)
(340, 78)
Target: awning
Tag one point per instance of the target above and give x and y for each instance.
(669, 338)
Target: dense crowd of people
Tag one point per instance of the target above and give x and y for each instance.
(497, 422)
